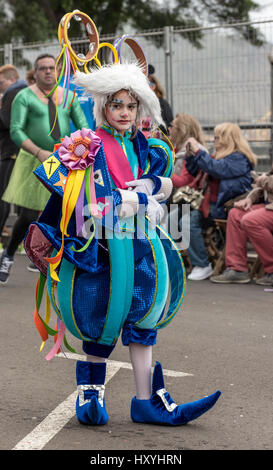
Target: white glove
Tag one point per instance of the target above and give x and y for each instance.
(154, 210)
(145, 185)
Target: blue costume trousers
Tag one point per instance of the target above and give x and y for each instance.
(130, 334)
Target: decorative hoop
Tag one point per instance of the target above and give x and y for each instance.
(92, 35)
(101, 45)
(136, 48)
(71, 59)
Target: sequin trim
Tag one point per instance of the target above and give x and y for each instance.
(168, 157)
(161, 393)
(156, 273)
(83, 388)
(148, 166)
(71, 306)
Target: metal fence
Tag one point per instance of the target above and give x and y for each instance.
(227, 79)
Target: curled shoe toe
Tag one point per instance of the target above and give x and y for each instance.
(161, 409)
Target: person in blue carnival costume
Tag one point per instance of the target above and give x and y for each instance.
(112, 263)
(85, 101)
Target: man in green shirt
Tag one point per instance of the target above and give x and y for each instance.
(36, 129)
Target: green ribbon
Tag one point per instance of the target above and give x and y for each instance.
(59, 79)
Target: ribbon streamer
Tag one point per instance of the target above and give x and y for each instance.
(47, 318)
(79, 211)
(61, 73)
(59, 340)
(71, 193)
(42, 327)
(67, 72)
(91, 202)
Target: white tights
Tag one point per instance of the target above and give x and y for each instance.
(141, 359)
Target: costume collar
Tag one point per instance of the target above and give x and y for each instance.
(112, 131)
(140, 143)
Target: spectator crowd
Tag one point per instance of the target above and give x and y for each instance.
(218, 183)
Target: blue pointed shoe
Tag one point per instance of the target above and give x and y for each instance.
(90, 404)
(161, 409)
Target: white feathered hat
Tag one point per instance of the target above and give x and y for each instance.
(109, 79)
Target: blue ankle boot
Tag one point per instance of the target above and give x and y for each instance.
(90, 404)
(161, 409)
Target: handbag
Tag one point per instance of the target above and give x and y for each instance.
(189, 195)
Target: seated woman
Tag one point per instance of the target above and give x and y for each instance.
(231, 165)
(182, 128)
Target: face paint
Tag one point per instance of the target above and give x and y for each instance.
(121, 111)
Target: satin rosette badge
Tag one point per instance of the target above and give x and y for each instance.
(77, 153)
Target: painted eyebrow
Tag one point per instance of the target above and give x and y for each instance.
(115, 101)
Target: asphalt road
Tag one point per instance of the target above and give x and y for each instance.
(222, 338)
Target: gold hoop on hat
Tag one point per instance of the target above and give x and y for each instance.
(91, 32)
(101, 45)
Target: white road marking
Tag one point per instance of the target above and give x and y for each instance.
(55, 421)
(123, 365)
(59, 417)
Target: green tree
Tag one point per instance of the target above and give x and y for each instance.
(34, 20)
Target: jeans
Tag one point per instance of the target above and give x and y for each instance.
(188, 229)
(197, 251)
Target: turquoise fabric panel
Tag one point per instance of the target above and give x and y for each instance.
(129, 255)
(121, 292)
(65, 292)
(162, 283)
(177, 274)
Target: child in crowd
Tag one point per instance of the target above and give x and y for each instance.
(181, 129)
(117, 283)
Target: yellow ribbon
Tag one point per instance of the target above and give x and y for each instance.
(96, 59)
(71, 193)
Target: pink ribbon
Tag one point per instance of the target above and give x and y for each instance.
(56, 347)
(117, 162)
(94, 208)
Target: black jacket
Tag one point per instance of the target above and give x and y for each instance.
(166, 113)
(7, 146)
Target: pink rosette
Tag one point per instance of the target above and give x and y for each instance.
(78, 151)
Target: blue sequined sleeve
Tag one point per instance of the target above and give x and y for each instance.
(160, 159)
